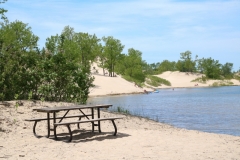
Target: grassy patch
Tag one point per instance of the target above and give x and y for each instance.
(222, 83)
(237, 77)
(202, 79)
(156, 81)
(122, 110)
(130, 79)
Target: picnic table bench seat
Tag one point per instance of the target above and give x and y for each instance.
(43, 119)
(67, 124)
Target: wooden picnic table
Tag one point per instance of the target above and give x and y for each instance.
(54, 110)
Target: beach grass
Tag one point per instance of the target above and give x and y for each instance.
(222, 83)
(157, 81)
(237, 77)
(124, 111)
(202, 79)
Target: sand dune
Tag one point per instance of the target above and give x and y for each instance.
(105, 85)
(183, 80)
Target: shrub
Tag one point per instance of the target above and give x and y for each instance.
(157, 81)
(222, 83)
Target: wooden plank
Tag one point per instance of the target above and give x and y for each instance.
(90, 120)
(64, 108)
(72, 116)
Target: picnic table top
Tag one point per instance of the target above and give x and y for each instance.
(73, 107)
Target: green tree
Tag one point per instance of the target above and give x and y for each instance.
(112, 51)
(63, 79)
(52, 73)
(166, 66)
(134, 65)
(210, 67)
(52, 45)
(87, 48)
(186, 64)
(2, 11)
(147, 68)
(101, 58)
(68, 44)
(227, 70)
(80, 47)
(72, 52)
(131, 66)
(18, 46)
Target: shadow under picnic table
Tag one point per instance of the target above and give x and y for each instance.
(82, 135)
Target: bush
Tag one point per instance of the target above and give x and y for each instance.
(237, 77)
(157, 81)
(53, 78)
(131, 79)
(222, 83)
(202, 79)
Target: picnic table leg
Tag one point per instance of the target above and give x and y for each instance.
(34, 128)
(54, 127)
(48, 125)
(99, 127)
(115, 127)
(70, 133)
(92, 118)
(78, 123)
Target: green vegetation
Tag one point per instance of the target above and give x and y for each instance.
(156, 81)
(59, 72)
(112, 53)
(208, 66)
(222, 83)
(237, 76)
(130, 66)
(186, 64)
(202, 79)
(131, 79)
(122, 110)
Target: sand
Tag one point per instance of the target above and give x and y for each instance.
(137, 138)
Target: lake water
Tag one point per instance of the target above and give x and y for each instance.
(213, 109)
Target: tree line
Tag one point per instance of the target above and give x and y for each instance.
(61, 71)
(208, 66)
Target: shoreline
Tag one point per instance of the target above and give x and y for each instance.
(170, 88)
(109, 86)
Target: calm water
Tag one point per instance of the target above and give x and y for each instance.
(214, 110)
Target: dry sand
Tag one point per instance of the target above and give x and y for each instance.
(105, 85)
(137, 138)
(183, 80)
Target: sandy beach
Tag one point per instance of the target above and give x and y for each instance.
(137, 138)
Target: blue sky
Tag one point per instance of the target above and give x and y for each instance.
(160, 29)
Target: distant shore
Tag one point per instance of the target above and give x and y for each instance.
(109, 86)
